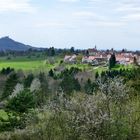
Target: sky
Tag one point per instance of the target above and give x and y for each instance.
(78, 23)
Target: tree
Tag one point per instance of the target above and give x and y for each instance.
(51, 51)
(90, 87)
(10, 85)
(72, 50)
(28, 80)
(3, 71)
(22, 102)
(44, 83)
(51, 73)
(69, 84)
(7, 71)
(77, 86)
(96, 75)
(112, 61)
(87, 53)
(44, 89)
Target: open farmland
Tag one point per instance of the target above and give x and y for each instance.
(44, 65)
(27, 64)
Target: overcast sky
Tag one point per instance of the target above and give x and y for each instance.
(78, 23)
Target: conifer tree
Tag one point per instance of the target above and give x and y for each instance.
(10, 85)
(112, 61)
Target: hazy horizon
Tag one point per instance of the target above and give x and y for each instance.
(78, 23)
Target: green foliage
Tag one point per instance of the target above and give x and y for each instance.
(70, 84)
(44, 91)
(51, 73)
(86, 117)
(96, 75)
(7, 70)
(72, 50)
(112, 61)
(61, 62)
(112, 113)
(14, 121)
(70, 72)
(87, 53)
(22, 102)
(10, 84)
(51, 51)
(43, 80)
(28, 80)
(90, 87)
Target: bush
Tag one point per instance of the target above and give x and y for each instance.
(28, 80)
(90, 87)
(22, 102)
(10, 85)
(106, 115)
(7, 71)
(70, 84)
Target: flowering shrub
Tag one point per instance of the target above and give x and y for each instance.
(18, 89)
(109, 114)
(35, 85)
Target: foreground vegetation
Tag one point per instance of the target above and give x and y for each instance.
(70, 104)
(44, 98)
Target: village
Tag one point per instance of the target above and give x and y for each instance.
(97, 57)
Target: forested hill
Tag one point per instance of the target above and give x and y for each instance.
(8, 44)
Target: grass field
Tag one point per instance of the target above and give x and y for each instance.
(27, 64)
(41, 65)
(37, 65)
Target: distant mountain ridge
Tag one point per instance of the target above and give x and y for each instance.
(8, 44)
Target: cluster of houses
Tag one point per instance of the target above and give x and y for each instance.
(70, 58)
(95, 57)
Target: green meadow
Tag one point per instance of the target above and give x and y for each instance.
(45, 64)
(27, 64)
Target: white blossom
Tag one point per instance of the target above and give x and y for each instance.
(18, 89)
(35, 86)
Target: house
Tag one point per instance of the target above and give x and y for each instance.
(125, 58)
(95, 60)
(92, 52)
(70, 59)
(88, 59)
(95, 57)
